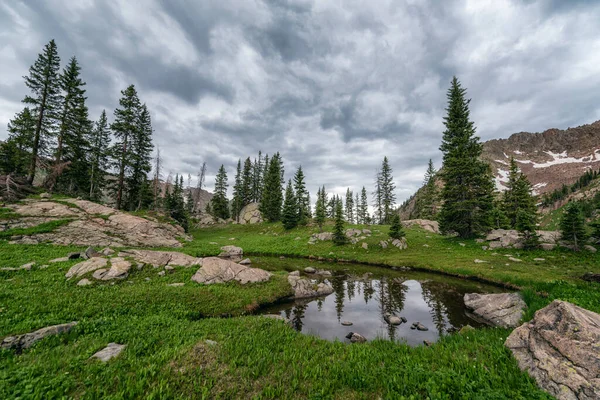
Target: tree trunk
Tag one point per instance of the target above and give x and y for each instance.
(121, 174)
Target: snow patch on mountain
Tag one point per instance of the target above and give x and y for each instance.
(501, 162)
(563, 158)
(501, 179)
(538, 186)
(518, 152)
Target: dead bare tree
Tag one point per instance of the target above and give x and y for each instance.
(157, 176)
(201, 177)
(13, 188)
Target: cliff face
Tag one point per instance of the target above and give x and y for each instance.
(548, 159)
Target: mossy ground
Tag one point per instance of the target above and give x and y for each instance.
(165, 328)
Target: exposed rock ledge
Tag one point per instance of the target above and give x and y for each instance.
(501, 309)
(26, 340)
(95, 225)
(218, 270)
(559, 349)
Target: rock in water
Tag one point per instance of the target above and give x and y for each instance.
(559, 349)
(233, 253)
(218, 270)
(21, 342)
(356, 337)
(304, 288)
(392, 319)
(502, 309)
(110, 351)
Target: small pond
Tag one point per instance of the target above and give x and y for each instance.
(364, 295)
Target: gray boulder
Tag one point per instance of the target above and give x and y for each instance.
(305, 288)
(218, 270)
(112, 350)
(25, 341)
(356, 337)
(86, 266)
(161, 258)
(233, 253)
(559, 349)
(502, 309)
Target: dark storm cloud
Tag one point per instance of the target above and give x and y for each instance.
(334, 86)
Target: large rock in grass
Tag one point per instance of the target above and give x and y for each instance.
(305, 288)
(21, 342)
(119, 269)
(86, 266)
(161, 258)
(218, 270)
(501, 309)
(560, 349)
(428, 225)
(233, 253)
(250, 214)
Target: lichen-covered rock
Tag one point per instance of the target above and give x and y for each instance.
(24, 341)
(250, 214)
(428, 225)
(86, 266)
(305, 288)
(510, 239)
(161, 258)
(559, 349)
(323, 236)
(119, 269)
(498, 309)
(218, 270)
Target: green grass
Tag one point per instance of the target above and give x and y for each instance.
(165, 327)
(7, 213)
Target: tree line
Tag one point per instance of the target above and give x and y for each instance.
(54, 139)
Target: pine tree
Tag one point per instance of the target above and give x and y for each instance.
(140, 159)
(17, 148)
(257, 178)
(125, 127)
(364, 206)
(237, 200)
(44, 100)
(595, 225)
(428, 200)
(518, 197)
(349, 206)
(301, 197)
(526, 224)
(498, 217)
(247, 181)
(357, 209)
(290, 208)
(378, 199)
(331, 204)
(272, 199)
(99, 156)
(572, 225)
(219, 202)
(176, 205)
(468, 191)
(396, 230)
(387, 186)
(339, 234)
(320, 213)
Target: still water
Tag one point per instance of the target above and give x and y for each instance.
(433, 300)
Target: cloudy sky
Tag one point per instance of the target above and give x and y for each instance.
(333, 85)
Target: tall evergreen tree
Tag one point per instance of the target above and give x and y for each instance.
(176, 204)
(237, 199)
(364, 206)
(428, 200)
(16, 150)
(339, 234)
(572, 225)
(257, 178)
(526, 225)
(301, 196)
(290, 208)
(44, 100)
(468, 191)
(140, 159)
(272, 199)
(387, 186)
(349, 206)
(219, 202)
(357, 209)
(99, 156)
(125, 127)
(518, 197)
(320, 212)
(378, 199)
(247, 181)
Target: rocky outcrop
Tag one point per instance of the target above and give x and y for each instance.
(323, 236)
(218, 270)
(86, 266)
(97, 225)
(305, 288)
(232, 253)
(119, 269)
(559, 349)
(250, 214)
(428, 225)
(161, 258)
(111, 351)
(500, 309)
(510, 239)
(25, 341)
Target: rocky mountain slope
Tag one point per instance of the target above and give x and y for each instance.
(549, 159)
